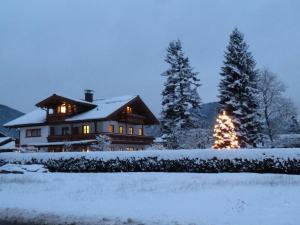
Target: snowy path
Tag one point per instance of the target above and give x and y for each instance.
(157, 198)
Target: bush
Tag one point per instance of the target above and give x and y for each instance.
(156, 164)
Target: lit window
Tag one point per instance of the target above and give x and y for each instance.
(128, 109)
(130, 130)
(141, 131)
(69, 108)
(62, 108)
(111, 128)
(86, 129)
(129, 148)
(120, 130)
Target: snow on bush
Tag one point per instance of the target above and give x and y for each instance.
(243, 160)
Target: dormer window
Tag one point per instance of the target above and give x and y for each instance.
(62, 108)
(128, 109)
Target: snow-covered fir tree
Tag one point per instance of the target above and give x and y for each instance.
(239, 92)
(179, 96)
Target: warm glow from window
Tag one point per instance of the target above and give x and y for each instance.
(63, 108)
(120, 130)
(130, 131)
(128, 109)
(86, 129)
(111, 128)
(140, 131)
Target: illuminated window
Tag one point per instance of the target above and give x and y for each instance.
(141, 131)
(69, 108)
(130, 130)
(129, 148)
(111, 128)
(128, 109)
(121, 130)
(86, 129)
(63, 108)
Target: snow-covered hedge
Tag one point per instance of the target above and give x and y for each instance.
(245, 160)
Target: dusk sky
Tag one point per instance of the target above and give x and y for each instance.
(118, 47)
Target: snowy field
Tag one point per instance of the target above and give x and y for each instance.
(153, 198)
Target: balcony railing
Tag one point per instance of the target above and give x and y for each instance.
(115, 138)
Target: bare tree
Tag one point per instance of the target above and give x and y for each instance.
(276, 109)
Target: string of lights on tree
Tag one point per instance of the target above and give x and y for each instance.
(224, 133)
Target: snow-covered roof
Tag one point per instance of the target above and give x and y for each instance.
(80, 101)
(3, 139)
(38, 116)
(8, 145)
(104, 107)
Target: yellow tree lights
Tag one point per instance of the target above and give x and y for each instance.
(224, 133)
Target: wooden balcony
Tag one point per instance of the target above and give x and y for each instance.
(115, 138)
(132, 118)
(53, 118)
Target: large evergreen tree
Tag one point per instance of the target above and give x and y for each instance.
(179, 97)
(239, 92)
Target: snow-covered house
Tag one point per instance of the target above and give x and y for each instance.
(60, 121)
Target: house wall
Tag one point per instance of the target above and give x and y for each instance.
(105, 125)
(58, 128)
(102, 126)
(29, 140)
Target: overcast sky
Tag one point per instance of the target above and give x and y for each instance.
(118, 47)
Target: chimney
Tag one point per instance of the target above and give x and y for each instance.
(88, 95)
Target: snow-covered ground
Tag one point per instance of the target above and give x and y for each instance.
(155, 198)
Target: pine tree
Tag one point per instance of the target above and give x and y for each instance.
(239, 92)
(224, 133)
(179, 97)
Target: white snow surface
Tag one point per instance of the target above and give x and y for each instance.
(37, 116)
(284, 153)
(156, 198)
(104, 108)
(23, 168)
(2, 139)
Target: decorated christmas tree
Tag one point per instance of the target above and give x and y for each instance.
(224, 133)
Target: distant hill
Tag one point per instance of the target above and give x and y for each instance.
(7, 114)
(209, 113)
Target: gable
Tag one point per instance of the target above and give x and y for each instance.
(134, 110)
